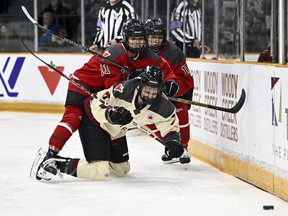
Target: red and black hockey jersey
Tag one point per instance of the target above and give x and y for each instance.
(177, 61)
(98, 74)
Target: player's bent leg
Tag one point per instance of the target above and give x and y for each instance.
(96, 171)
(119, 150)
(96, 142)
(119, 165)
(119, 169)
(66, 127)
(70, 121)
(184, 125)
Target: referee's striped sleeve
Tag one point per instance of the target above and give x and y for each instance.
(110, 22)
(193, 28)
(99, 30)
(129, 9)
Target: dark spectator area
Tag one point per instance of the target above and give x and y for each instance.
(64, 18)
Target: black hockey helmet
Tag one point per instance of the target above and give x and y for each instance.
(133, 28)
(156, 26)
(152, 77)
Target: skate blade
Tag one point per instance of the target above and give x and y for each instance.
(39, 173)
(38, 159)
(177, 160)
(174, 160)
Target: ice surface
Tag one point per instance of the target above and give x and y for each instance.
(151, 188)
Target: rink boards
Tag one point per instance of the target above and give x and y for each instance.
(252, 144)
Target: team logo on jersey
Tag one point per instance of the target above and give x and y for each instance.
(150, 118)
(106, 54)
(50, 77)
(119, 88)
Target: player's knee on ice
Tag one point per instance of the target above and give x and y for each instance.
(97, 171)
(119, 169)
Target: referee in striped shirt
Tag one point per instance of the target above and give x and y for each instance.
(111, 18)
(193, 27)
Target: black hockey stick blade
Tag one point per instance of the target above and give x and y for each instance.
(240, 103)
(234, 109)
(25, 11)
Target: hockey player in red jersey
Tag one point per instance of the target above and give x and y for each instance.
(97, 75)
(183, 85)
(137, 101)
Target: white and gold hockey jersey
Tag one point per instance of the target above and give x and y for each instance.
(161, 112)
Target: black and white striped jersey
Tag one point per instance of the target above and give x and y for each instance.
(111, 20)
(193, 23)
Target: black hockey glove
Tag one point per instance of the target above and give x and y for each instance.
(171, 88)
(174, 148)
(118, 116)
(135, 73)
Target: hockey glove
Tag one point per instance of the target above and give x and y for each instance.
(135, 73)
(174, 148)
(171, 88)
(118, 116)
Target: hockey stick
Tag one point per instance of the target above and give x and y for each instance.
(234, 109)
(174, 160)
(149, 133)
(86, 90)
(59, 72)
(124, 69)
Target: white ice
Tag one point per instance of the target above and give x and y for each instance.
(151, 188)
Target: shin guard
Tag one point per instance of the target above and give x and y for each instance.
(64, 130)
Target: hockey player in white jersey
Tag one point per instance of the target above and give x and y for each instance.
(139, 101)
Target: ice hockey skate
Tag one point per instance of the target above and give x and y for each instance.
(183, 159)
(44, 167)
